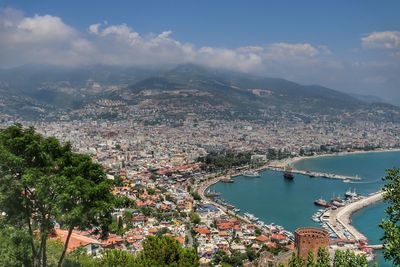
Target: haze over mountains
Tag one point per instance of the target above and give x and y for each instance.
(34, 91)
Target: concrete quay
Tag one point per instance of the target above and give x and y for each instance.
(340, 219)
(316, 174)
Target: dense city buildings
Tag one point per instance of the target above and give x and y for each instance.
(156, 167)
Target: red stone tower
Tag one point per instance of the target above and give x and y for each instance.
(310, 239)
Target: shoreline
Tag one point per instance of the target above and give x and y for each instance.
(345, 216)
(292, 161)
(280, 164)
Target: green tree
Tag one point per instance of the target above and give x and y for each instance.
(296, 261)
(323, 259)
(251, 255)
(310, 259)
(391, 225)
(88, 192)
(117, 258)
(340, 259)
(166, 251)
(195, 218)
(257, 232)
(349, 259)
(14, 247)
(195, 195)
(218, 257)
(43, 181)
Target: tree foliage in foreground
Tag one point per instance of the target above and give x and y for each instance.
(342, 259)
(42, 182)
(391, 225)
(349, 259)
(157, 251)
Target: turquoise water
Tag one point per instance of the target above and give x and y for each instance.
(366, 220)
(290, 204)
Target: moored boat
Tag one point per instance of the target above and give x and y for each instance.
(322, 202)
(350, 194)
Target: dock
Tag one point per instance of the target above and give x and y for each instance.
(315, 174)
(340, 221)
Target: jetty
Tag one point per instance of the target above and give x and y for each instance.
(315, 174)
(340, 221)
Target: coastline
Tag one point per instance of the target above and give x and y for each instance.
(292, 161)
(345, 216)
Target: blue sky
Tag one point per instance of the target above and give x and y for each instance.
(232, 23)
(348, 45)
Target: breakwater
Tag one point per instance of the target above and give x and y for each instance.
(340, 219)
(317, 174)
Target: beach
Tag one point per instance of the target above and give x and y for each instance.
(292, 161)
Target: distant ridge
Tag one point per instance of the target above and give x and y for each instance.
(186, 88)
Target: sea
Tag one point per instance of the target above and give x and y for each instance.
(274, 199)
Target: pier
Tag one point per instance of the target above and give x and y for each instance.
(315, 174)
(340, 222)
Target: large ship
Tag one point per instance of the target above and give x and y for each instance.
(251, 174)
(322, 202)
(287, 173)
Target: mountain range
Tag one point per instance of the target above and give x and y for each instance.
(34, 91)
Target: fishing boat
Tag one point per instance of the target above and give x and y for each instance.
(322, 202)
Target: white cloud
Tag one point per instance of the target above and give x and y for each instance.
(40, 39)
(165, 34)
(293, 50)
(43, 29)
(47, 39)
(389, 40)
(94, 28)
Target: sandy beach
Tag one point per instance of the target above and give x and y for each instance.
(291, 161)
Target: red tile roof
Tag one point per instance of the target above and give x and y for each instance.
(76, 240)
(202, 231)
(262, 238)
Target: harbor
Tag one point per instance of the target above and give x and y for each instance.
(336, 217)
(204, 191)
(272, 198)
(342, 216)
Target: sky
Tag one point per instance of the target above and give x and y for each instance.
(352, 46)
